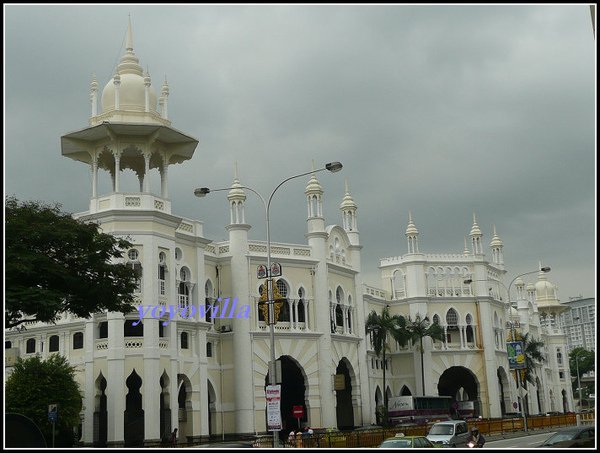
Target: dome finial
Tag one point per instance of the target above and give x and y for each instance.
(129, 43)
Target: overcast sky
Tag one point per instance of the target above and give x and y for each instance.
(439, 110)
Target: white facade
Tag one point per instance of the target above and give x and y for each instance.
(466, 295)
(206, 375)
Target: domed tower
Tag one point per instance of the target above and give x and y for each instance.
(129, 133)
(412, 235)
(349, 208)
(547, 302)
(475, 234)
(496, 245)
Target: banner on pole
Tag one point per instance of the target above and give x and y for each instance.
(273, 396)
(516, 356)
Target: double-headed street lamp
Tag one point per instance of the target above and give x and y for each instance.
(203, 191)
(513, 336)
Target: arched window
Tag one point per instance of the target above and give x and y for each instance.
(451, 317)
(78, 340)
(452, 323)
(183, 291)
(284, 312)
(339, 295)
(559, 357)
(208, 300)
(162, 271)
(53, 343)
(184, 340)
(469, 329)
(178, 254)
(209, 351)
(30, 346)
(261, 316)
(7, 345)
(133, 255)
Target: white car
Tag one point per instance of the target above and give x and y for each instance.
(452, 433)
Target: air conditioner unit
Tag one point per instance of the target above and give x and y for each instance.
(226, 328)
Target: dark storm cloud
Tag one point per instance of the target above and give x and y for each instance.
(442, 110)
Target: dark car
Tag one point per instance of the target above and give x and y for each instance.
(573, 436)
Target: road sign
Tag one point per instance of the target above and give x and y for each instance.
(53, 413)
(275, 270)
(298, 411)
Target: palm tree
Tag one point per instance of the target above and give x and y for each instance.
(380, 326)
(417, 330)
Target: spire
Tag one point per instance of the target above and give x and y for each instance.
(476, 246)
(236, 197)
(496, 241)
(313, 186)
(411, 229)
(466, 250)
(348, 202)
(475, 231)
(129, 43)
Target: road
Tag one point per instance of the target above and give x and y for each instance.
(528, 441)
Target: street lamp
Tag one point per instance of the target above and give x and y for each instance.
(512, 333)
(578, 380)
(333, 167)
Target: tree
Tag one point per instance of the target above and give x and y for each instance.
(419, 329)
(380, 327)
(587, 363)
(35, 384)
(533, 357)
(57, 264)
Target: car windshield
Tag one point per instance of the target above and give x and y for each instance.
(442, 430)
(396, 443)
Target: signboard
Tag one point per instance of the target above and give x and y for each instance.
(339, 382)
(273, 396)
(298, 411)
(516, 357)
(261, 271)
(53, 413)
(400, 403)
(275, 270)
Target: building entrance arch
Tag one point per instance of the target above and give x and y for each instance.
(462, 385)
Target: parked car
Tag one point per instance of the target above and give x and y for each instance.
(452, 433)
(573, 436)
(402, 441)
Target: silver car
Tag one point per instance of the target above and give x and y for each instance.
(452, 433)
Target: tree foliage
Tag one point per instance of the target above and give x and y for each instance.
(587, 361)
(35, 384)
(419, 329)
(533, 356)
(55, 263)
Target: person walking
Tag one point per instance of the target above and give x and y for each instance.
(174, 437)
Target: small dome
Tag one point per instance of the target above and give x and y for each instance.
(313, 186)
(236, 192)
(530, 287)
(519, 282)
(544, 289)
(496, 241)
(475, 231)
(411, 229)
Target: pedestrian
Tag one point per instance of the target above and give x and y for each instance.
(174, 437)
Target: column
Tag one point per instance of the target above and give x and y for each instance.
(151, 382)
(94, 176)
(116, 389)
(146, 172)
(117, 156)
(89, 400)
(461, 330)
(296, 322)
(164, 187)
(306, 325)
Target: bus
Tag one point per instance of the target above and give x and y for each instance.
(419, 409)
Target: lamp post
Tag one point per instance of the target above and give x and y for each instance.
(513, 336)
(203, 191)
(578, 381)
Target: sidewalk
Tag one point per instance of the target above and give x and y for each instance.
(520, 433)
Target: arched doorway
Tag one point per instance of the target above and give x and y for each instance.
(293, 393)
(134, 414)
(503, 385)
(540, 399)
(100, 413)
(344, 410)
(378, 405)
(565, 402)
(184, 400)
(165, 405)
(458, 380)
(405, 391)
(212, 408)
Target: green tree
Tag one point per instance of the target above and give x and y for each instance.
(34, 384)
(419, 329)
(533, 356)
(587, 361)
(380, 327)
(57, 264)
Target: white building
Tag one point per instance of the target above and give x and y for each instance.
(580, 322)
(466, 295)
(206, 373)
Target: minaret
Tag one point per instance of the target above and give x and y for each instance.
(412, 235)
(476, 246)
(243, 387)
(129, 133)
(317, 240)
(349, 222)
(496, 245)
(466, 251)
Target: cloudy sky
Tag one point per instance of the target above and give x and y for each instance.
(444, 111)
